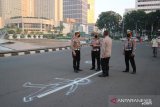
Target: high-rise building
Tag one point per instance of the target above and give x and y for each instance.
(75, 9)
(27, 8)
(148, 5)
(10, 8)
(91, 11)
(51, 9)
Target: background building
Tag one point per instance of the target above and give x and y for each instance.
(91, 11)
(51, 9)
(76, 9)
(27, 8)
(1, 22)
(31, 24)
(148, 5)
(9, 8)
(40, 9)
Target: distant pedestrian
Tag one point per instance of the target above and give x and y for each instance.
(75, 45)
(95, 52)
(129, 53)
(106, 48)
(154, 46)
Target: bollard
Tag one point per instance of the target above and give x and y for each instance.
(18, 36)
(10, 36)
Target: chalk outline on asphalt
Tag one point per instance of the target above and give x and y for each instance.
(73, 84)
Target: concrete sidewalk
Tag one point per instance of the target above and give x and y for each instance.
(18, 45)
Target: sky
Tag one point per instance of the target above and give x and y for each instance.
(118, 6)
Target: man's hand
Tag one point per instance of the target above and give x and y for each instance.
(74, 53)
(133, 54)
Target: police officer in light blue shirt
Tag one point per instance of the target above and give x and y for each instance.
(129, 53)
(95, 52)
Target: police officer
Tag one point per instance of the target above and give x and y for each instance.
(95, 52)
(75, 45)
(154, 46)
(129, 53)
(106, 50)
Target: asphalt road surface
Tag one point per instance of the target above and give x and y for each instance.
(48, 80)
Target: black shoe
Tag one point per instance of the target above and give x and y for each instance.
(133, 72)
(102, 75)
(125, 71)
(79, 70)
(76, 71)
(98, 69)
(92, 68)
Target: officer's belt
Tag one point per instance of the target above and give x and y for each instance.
(95, 49)
(128, 49)
(76, 49)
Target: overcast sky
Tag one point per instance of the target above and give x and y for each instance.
(116, 5)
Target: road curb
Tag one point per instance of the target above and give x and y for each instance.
(35, 51)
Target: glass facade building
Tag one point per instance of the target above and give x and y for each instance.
(76, 9)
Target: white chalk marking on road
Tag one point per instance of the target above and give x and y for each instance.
(21, 53)
(88, 62)
(70, 84)
(52, 88)
(8, 55)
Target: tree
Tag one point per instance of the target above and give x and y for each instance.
(140, 22)
(135, 20)
(61, 27)
(11, 31)
(109, 21)
(25, 31)
(153, 22)
(18, 31)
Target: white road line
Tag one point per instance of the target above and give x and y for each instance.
(68, 85)
(88, 62)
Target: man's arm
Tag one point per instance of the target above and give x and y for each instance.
(97, 45)
(134, 47)
(72, 47)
